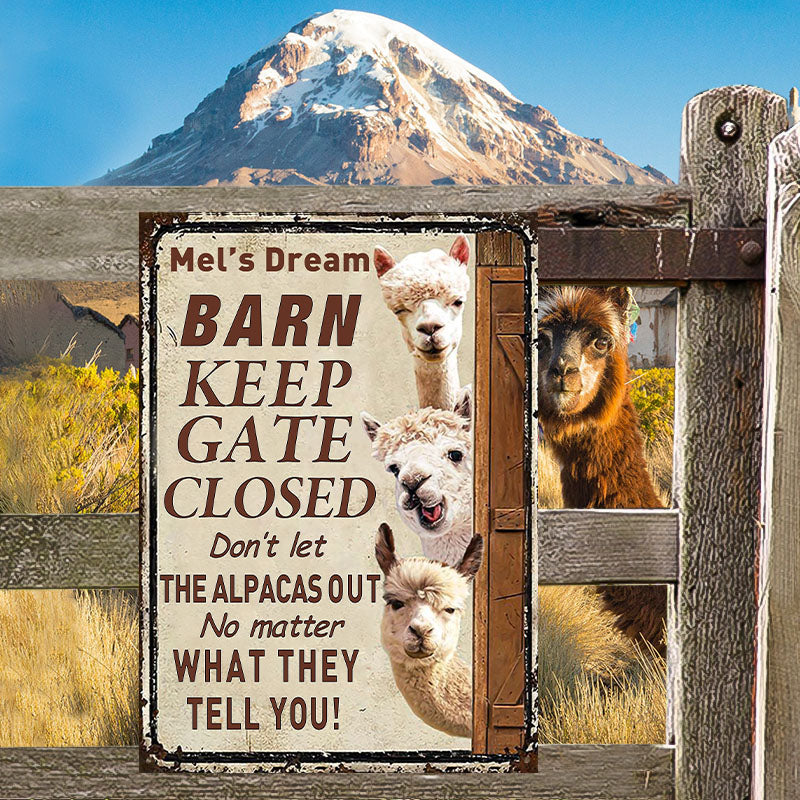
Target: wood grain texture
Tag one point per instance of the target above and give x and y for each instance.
(575, 546)
(493, 249)
(718, 433)
(718, 452)
(567, 772)
(641, 256)
(776, 765)
(505, 562)
(728, 179)
(604, 546)
(500, 248)
(69, 551)
(91, 232)
(481, 515)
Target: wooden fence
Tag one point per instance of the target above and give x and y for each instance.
(703, 235)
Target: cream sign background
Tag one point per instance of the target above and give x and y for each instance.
(343, 670)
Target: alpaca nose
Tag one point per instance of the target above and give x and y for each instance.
(419, 630)
(562, 368)
(429, 328)
(413, 482)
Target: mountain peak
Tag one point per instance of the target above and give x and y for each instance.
(372, 34)
(354, 97)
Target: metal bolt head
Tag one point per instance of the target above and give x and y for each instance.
(728, 130)
(751, 252)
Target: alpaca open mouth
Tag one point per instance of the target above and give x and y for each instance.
(431, 516)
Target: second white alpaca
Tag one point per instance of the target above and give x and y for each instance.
(429, 452)
(426, 291)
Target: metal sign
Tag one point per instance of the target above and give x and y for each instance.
(308, 548)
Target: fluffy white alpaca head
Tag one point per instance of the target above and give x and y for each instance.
(427, 291)
(424, 601)
(429, 452)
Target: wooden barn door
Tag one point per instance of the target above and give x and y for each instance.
(499, 663)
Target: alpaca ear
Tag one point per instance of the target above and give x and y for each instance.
(370, 424)
(463, 406)
(460, 249)
(384, 549)
(543, 301)
(471, 560)
(383, 261)
(619, 296)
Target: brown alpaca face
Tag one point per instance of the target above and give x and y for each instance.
(580, 331)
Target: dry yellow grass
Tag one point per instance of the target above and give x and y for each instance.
(68, 661)
(627, 709)
(549, 480)
(68, 669)
(658, 454)
(576, 637)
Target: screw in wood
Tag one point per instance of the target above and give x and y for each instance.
(750, 252)
(728, 130)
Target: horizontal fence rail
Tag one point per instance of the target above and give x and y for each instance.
(629, 256)
(579, 772)
(602, 546)
(91, 233)
(74, 551)
(69, 551)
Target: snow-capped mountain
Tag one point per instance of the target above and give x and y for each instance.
(351, 97)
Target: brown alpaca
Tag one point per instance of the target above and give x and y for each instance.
(592, 429)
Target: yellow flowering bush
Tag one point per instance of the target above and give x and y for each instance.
(653, 395)
(69, 439)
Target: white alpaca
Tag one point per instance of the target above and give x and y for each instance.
(427, 291)
(419, 631)
(429, 451)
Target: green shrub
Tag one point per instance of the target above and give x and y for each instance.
(653, 395)
(69, 439)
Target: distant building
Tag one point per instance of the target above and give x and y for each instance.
(654, 345)
(36, 319)
(130, 330)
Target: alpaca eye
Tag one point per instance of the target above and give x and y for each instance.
(450, 610)
(458, 303)
(396, 604)
(455, 455)
(602, 342)
(394, 469)
(399, 311)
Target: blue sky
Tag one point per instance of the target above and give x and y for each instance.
(85, 86)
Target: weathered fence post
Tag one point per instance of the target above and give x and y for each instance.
(776, 767)
(718, 448)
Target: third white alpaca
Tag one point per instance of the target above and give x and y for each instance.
(419, 631)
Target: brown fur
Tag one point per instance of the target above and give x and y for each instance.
(593, 431)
